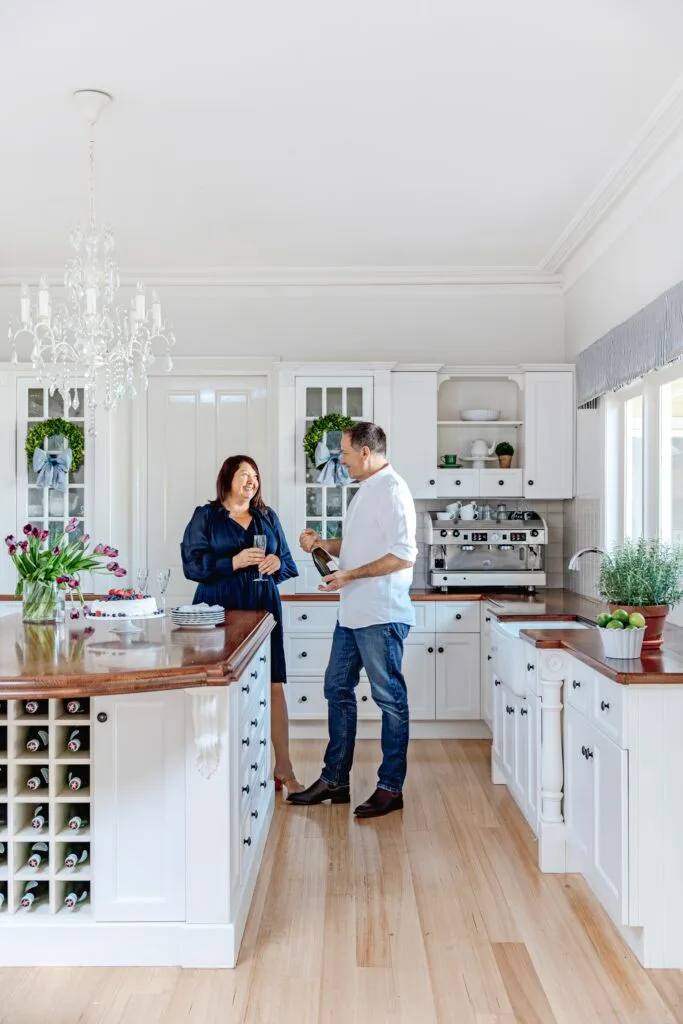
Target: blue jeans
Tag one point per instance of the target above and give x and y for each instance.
(379, 650)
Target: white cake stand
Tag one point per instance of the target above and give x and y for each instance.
(124, 626)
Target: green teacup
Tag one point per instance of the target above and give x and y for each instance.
(449, 460)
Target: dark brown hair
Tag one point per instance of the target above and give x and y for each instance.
(367, 435)
(225, 478)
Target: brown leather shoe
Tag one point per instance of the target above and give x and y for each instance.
(381, 802)
(319, 792)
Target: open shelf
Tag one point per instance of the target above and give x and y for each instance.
(480, 423)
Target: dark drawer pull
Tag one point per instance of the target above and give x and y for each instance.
(253, 766)
(530, 483)
(576, 685)
(589, 753)
(458, 482)
(432, 482)
(254, 722)
(247, 841)
(245, 789)
(604, 706)
(488, 657)
(501, 483)
(304, 654)
(530, 667)
(254, 814)
(458, 615)
(303, 617)
(263, 702)
(263, 742)
(583, 751)
(524, 711)
(364, 697)
(245, 688)
(263, 658)
(509, 710)
(496, 682)
(440, 650)
(487, 618)
(430, 650)
(253, 675)
(302, 700)
(245, 742)
(263, 784)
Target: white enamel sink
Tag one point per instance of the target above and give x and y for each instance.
(510, 653)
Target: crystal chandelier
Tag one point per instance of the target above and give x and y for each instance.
(89, 337)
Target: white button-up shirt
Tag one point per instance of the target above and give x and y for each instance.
(380, 521)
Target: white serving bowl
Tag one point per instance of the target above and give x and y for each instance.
(622, 643)
(444, 516)
(479, 415)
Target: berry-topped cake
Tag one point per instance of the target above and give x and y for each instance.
(123, 604)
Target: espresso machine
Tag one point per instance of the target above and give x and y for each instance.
(507, 550)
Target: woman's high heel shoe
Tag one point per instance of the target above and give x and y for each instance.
(290, 783)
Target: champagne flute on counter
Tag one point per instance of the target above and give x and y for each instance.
(141, 577)
(260, 541)
(163, 579)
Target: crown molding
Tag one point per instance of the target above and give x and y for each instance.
(273, 278)
(657, 132)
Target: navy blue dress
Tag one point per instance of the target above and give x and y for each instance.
(212, 538)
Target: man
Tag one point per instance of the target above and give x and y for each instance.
(376, 559)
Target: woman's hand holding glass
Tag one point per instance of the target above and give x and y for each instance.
(248, 557)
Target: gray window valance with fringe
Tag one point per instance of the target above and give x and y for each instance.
(650, 339)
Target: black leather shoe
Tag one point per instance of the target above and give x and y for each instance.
(381, 802)
(319, 792)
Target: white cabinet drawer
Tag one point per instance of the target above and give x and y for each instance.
(494, 482)
(307, 656)
(608, 708)
(309, 617)
(425, 617)
(456, 483)
(578, 687)
(457, 616)
(305, 699)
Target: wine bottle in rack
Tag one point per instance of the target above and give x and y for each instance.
(3, 815)
(79, 778)
(3, 776)
(75, 894)
(325, 563)
(36, 740)
(3, 739)
(76, 855)
(78, 740)
(78, 820)
(3, 853)
(3, 707)
(34, 893)
(40, 817)
(35, 707)
(77, 706)
(39, 853)
(39, 779)
(3, 894)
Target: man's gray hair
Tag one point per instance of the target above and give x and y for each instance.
(367, 435)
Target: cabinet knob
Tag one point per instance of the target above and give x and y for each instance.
(245, 789)
(576, 685)
(524, 711)
(440, 650)
(254, 722)
(501, 483)
(254, 814)
(102, 716)
(583, 751)
(496, 682)
(530, 667)
(458, 615)
(263, 658)
(302, 700)
(604, 705)
(253, 675)
(263, 784)
(364, 697)
(488, 657)
(247, 841)
(530, 483)
(303, 654)
(303, 617)
(458, 483)
(509, 710)
(263, 742)
(245, 741)
(487, 618)
(430, 650)
(589, 753)
(263, 702)
(245, 688)
(253, 766)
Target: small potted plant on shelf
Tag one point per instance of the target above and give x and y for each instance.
(641, 580)
(504, 451)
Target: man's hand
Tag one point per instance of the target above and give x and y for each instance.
(247, 557)
(309, 539)
(269, 565)
(335, 581)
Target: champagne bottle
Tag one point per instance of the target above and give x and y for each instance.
(77, 893)
(77, 706)
(35, 707)
(38, 854)
(34, 892)
(79, 778)
(40, 817)
(37, 740)
(325, 563)
(78, 740)
(77, 821)
(39, 778)
(76, 855)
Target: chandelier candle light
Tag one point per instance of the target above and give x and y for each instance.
(90, 338)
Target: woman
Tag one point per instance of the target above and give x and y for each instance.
(218, 553)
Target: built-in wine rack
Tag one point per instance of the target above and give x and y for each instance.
(45, 807)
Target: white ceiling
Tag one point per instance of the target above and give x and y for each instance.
(315, 134)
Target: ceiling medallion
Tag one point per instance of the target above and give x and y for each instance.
(89, 341)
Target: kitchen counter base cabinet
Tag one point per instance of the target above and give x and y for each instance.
(175, 806)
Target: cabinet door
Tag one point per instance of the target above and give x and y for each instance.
(498, 712)
(509, 736)
(418, 668)
(578, 789)
(549, 434)
(139, 816)
(609, 764)
(521, 763)
(533, 747)
(413, 431)
(457, 675)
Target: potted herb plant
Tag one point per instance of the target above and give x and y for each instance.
(646, 577)
(504, 451)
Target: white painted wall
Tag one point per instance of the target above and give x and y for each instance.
(455, 324)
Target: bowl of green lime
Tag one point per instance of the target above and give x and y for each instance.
(621, 633)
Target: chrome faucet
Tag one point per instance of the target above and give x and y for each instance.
(574, 560)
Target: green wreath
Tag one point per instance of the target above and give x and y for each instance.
(319, 427)
(57, 428)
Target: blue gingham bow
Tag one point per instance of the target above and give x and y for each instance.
(52, 468)
(333, 473)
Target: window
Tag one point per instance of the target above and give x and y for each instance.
(633, 467)
(671, 420)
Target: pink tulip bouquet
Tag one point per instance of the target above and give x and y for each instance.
(45, 571)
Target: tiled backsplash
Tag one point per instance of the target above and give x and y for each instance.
(551, 511)
(582, 529)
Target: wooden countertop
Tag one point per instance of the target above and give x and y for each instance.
(86, 659)
(653, 667)
(557, 599)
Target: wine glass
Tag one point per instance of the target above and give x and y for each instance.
(260, 540)
(162, 579)
(142, 575)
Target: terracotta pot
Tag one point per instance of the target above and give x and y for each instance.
(504, 461)
(654, 615)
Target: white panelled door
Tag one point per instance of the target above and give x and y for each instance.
(194, 424)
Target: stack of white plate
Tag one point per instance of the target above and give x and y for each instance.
(479, 415)
(198, 617)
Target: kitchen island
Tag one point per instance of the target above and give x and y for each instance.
(146, 759)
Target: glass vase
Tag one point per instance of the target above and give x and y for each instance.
(40, 601)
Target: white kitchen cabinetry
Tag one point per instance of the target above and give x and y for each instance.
(515, 747)
(413, 431)
(457, 675)
(548, 434)
(419, 656)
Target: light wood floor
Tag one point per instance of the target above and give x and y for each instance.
(435, 915)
